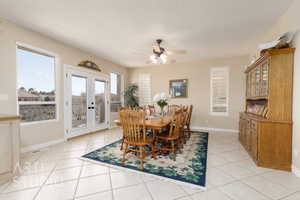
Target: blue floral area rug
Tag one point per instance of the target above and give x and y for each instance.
(188, 169)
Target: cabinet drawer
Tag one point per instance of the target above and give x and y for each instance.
(253, 125)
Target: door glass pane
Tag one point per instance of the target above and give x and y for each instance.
(99, 102)
(79, 106)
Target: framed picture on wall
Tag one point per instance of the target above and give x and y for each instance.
(178, 88)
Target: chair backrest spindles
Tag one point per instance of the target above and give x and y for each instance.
(173, 108)
(189, 116)
(175, 126)
(151, 109)
(133, 123)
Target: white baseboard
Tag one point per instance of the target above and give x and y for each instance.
(296, 171)
(295, 153)
(36, 147)
(198, 128)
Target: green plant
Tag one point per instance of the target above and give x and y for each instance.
(162, 103)
(131, 98)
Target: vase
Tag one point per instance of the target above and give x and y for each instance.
(162, 114)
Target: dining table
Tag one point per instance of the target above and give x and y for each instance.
(157, 124)
(154, 123)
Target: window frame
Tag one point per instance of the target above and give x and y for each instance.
(56, 84)
(226, 70)
(121, 89)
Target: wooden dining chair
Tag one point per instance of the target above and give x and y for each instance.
(120, 109)
(187, 127)
(169, 140)
(135, 136)
(183, 134)
(173, 108)
(151, 109)
(140, 109)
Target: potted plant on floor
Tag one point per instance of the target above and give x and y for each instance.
(130, 95)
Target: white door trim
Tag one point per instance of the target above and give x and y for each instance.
(92, 75)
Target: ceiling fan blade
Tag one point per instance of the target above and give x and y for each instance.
(172, 61)
(176, 52)
(140, 53)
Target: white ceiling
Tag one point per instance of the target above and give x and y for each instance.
(124, 30)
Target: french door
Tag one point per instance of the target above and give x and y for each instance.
(87, 102)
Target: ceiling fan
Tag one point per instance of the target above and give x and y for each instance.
(160, 54)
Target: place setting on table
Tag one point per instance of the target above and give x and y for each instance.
(157, 141)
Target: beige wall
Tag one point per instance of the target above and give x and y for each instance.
(290, 22)
(198, 75)
(9, 35)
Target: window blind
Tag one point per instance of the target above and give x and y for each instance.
(144, 90)
(219, 91)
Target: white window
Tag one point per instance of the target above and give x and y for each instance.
(219, 86)
(37, 100)
(144, 89)
(115, 91)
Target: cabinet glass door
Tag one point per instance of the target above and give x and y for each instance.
(257, 81)
(253, 83)
(248, 86)
(265, 79)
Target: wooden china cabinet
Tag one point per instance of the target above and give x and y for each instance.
(265, 128)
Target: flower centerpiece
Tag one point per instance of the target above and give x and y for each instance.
(161, 99)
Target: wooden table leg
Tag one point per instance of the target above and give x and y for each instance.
(154, 149)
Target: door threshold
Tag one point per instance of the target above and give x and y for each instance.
(86, 134)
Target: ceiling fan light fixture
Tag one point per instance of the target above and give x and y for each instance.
(163, 58)
(161, 55)
(154, 59)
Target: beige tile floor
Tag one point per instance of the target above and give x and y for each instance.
(56, 173)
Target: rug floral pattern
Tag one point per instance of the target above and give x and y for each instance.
(189, 167)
